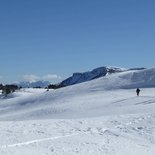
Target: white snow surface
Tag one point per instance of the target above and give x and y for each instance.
(99, 117)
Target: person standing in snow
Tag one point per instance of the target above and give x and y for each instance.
(137, 91)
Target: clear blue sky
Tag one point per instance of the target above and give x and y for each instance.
(45, 37)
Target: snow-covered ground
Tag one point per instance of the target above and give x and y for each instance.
(100, 117)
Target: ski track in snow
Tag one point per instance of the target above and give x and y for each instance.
(36, 141)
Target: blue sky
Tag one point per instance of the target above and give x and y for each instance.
(49, 39)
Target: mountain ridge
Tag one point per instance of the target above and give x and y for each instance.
(94, 74)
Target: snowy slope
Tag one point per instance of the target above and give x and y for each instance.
(73, 101)
(102, 116)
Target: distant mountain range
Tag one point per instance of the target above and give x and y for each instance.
(26, 84)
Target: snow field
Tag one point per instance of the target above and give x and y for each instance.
(97, 117)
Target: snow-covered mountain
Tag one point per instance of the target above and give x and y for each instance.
(94, 74)
(27, 84)
(77, 77)
(90, 75)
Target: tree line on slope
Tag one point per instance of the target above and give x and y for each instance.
(7, 89)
